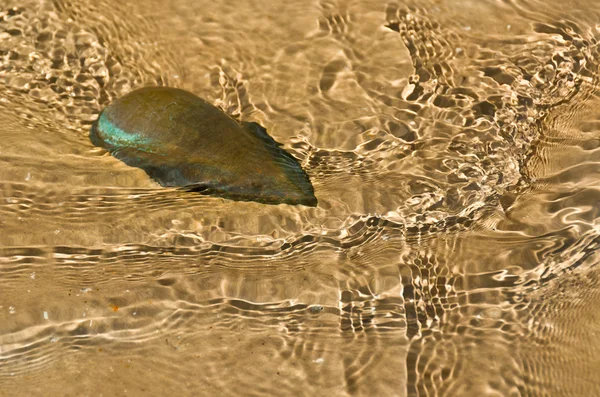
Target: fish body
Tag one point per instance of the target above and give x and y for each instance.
(180, 140)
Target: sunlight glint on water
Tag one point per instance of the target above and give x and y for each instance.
(453, 147)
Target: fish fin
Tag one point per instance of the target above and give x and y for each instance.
(260, 132)
(288, 163)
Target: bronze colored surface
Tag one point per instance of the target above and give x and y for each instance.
(181, 140)
(454, 149)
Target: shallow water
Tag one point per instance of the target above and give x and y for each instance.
(454, 148)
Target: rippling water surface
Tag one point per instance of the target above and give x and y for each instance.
(454, 147)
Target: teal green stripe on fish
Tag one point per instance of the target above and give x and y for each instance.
(115, 136)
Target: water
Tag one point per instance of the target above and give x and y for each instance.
(454, 149)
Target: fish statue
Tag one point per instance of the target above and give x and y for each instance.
(180, 140)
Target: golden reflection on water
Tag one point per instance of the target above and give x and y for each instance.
(453, 147)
